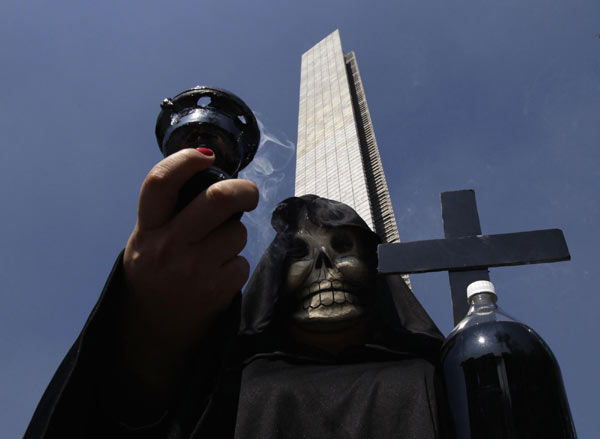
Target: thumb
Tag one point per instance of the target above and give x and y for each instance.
(161, 186)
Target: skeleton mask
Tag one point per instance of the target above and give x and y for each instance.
(330, 277)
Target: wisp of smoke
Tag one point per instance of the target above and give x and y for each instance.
(268, 171)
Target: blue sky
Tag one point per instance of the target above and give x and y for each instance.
(500, 97)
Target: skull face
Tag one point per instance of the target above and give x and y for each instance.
(330, 277)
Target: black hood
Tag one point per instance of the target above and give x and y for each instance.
(401, 321)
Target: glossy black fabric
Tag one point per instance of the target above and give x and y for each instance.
(356, 397)
(386, 388)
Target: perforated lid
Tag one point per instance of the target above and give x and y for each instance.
(480, 286)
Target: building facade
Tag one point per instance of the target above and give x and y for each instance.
(337, 155)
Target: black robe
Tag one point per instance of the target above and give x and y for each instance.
(259, 384)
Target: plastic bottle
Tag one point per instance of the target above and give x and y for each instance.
(501, 379)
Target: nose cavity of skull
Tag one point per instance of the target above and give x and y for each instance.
(323, 260)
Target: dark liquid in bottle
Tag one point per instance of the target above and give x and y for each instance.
(502, 381)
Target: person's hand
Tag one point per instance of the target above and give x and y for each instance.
(182, 269)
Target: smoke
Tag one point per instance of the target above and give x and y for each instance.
(271, 171)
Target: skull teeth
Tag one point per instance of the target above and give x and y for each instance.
(325, 285)
(327, 298)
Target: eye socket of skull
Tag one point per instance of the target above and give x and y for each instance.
(329, 276)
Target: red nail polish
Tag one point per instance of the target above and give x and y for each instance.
(206, 151)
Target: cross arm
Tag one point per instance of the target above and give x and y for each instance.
(473, 252)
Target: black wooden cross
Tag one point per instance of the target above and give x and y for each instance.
(467, 254)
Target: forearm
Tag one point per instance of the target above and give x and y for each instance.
(98, 392)
(76, 402)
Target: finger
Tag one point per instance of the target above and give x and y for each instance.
(222, 285)
(213, 207)
(235, 272)
(162, 184)
(223, 243)
(232, 276)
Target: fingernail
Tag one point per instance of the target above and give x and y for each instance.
(206, 151)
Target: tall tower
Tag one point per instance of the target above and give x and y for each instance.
(337, 155)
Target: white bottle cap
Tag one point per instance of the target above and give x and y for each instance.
(480, 286)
